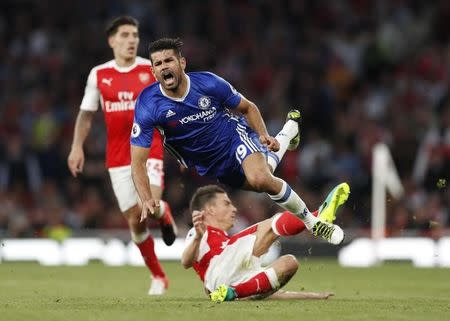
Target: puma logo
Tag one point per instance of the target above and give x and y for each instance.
(107, 81)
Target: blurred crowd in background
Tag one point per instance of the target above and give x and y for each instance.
(361, 72)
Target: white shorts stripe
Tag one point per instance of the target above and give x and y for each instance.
(246, 140)
(242, 128)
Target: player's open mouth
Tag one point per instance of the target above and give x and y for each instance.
(168, 77)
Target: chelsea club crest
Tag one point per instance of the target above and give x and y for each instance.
(204, 102)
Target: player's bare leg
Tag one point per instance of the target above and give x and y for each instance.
(259, 177)
(265, 237)
(285, 268)
(262, 284)
(144, 241)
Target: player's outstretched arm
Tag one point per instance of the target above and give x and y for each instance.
(141, 180)
(253, 115)
(292, 295)
(190, 253)
(83, 124)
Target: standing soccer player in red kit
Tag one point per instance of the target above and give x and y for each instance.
(116, 84)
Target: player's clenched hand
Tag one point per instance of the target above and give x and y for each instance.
(199, 225)
(149, 206)
(271, 143)
(75, 161)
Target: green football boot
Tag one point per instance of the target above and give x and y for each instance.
(336, 198)
(223, 293)
(296, 116)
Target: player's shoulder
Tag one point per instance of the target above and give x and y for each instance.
(203, 75)
(150, 91)
(95, 71)
(143, 61)
(112, 64)
(150, 95)
(207, 80)
(106, 65)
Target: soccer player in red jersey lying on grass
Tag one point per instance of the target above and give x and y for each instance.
(230, 267)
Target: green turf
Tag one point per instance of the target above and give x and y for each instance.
(96, 292)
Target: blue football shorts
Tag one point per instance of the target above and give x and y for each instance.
(244, 143)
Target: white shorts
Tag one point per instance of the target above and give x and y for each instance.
(123, 186)
(236, 264)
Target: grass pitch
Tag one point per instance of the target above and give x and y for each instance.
(30, 292)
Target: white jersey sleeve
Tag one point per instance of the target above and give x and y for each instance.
(91, 93)
(190, 236)
(203, 247)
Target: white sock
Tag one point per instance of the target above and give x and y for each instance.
(273, 278)
(162, 210)
(288, 132)
(140, 237)
(289, 200)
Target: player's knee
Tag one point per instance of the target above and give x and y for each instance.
(133, 216)
(259, 181)
(290, 264)
(133, 221)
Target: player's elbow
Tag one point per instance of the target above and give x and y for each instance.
(186, 263)
(139, 157)
(247, 107)
(252, 109)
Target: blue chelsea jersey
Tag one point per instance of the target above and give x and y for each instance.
(197, 128)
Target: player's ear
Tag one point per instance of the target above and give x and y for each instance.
(111, 41)
(183, 62)
(209, 210)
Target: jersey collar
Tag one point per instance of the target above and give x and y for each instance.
(188, 88)
(126, 69)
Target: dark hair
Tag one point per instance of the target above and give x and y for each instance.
(204, 195)
(114, 24)
(164, 44)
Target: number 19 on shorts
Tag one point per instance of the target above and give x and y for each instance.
(241, 153)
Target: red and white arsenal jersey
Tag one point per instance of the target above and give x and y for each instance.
(117, 89)
(213, 243)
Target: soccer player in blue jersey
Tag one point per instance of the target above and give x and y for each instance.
(197, 114)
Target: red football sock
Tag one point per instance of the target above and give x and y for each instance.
(256, 285)
(147, 249)
(289, 224)
(166, 215)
